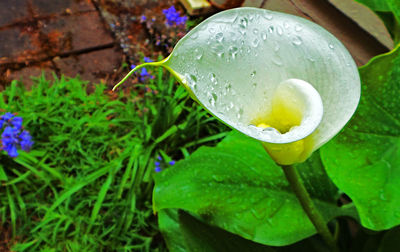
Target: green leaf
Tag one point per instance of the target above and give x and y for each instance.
(237, 187)
(364, 161)
(3, 175)
(184, 232)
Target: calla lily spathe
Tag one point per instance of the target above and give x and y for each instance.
(275, 77)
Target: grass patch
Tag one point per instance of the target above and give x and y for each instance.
(87, 183)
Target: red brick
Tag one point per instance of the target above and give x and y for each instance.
(78, 32)
(94, 66)
(12, 11)
(51, 7)
(26, 74)
(17, 47)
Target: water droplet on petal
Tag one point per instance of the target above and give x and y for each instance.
(243, 22)
(219, 37)
(277, 47)
(298, 28)
(253, 73)
(264, 36)
(286, 25)
(271, 130)
(228, 87)
(271, 29)
(213, 77)
(268, 16)
(215, 97)
(198, 53)
(279, 30)
(255, 31)
(194, 35)
(331, 46)
(256, 42)
(240, 113)
(192, 79)
(233, 51)
(277, 60)
(297, 40)
(218, 49)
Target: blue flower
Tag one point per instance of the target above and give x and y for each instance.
(143, 18)
(158, 165)
(11, 150)
(7, 116)
(172, 162)
(26, 141)
(13, 135)
(17, 122)
(173, 17)
(10, 141)
(147, 59)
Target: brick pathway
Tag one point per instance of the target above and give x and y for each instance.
(64, 36)
(74, 36)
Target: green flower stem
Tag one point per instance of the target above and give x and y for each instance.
(158, 63)
(305, 200)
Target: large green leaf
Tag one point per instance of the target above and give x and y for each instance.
(183, 232)
(237, 187)
(364, 161)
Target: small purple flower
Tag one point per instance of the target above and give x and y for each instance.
(157, 169)
(159, 157)
(172, 162)
(17, 122)
(157, 163)
(143, 18)
(173, 17)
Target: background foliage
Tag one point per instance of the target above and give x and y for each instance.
(87, 183)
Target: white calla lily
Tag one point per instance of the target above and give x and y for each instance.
(275, 77)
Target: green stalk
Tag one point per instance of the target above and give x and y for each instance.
(305, 200)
